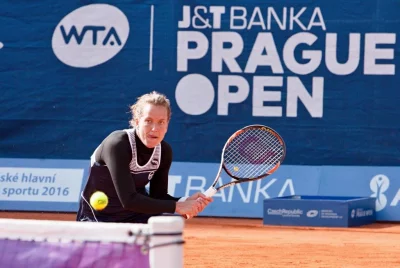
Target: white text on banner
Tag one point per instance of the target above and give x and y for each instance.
(40, 184)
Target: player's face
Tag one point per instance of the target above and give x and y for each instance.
(152, 125)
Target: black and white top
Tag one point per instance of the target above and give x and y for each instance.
(143, 173)
(122, 166)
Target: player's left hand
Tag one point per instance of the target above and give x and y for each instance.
(200, 197)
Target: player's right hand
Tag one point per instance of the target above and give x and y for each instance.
(201, 197)
(190, 207)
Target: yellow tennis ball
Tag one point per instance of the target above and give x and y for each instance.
(236, 168)
(99, 200)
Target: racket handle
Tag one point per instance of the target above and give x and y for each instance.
(210, 192)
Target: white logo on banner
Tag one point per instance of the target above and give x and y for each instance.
(90, 35)
(296, 213)
(270, 78)
(312, 213)
(379, 184)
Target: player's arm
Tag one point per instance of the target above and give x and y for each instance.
(159, 186)
(116, 153)
(159, 182)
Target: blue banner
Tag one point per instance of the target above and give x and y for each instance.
(55, 185)
(246, 200)
(41, 185)
(324, 76)
(319, 211)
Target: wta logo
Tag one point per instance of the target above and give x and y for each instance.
(90, 35)
(379, 185)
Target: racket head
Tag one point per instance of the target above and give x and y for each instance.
(253, 152)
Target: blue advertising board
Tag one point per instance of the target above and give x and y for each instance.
(41, 185)
(319, 211)
(323, 74)
(55, 185)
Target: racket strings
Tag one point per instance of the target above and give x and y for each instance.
(257, 149)
(246, 169)
(253, 153)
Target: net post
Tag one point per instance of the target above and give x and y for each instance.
(168, 256)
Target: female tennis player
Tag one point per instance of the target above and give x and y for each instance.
(128, 160)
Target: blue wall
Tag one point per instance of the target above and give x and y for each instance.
(322, 73)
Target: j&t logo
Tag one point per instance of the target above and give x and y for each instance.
(379, 185)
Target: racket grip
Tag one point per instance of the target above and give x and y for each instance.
(209, 193)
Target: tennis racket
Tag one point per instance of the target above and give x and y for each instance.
(251, 153)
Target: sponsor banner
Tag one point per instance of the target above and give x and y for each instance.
(41, 185)
(381, 183)
(54, 185)
(242, 200)
(323, 76)
(245, 200)
(324, 211)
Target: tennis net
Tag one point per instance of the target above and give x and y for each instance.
(56, 244)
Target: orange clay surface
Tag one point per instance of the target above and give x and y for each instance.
(220, 242)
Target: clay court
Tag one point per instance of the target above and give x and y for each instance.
(226, 243)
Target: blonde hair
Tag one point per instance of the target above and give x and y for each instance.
(154, 98)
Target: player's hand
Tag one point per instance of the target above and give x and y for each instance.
(189, 207)
(204, 200)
